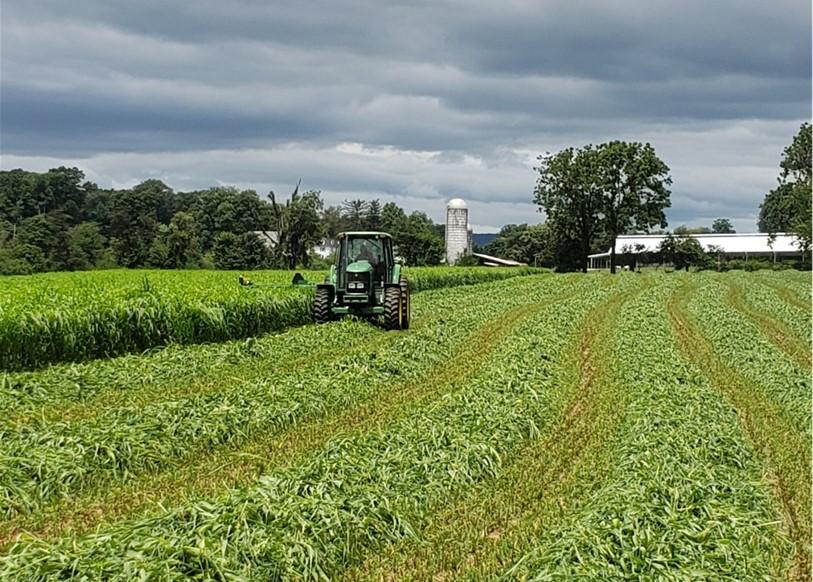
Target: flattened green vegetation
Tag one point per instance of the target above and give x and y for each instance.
(538, 481)
(686, 495)
(771, 396)
(246, 455)
(361, 492)
(547, 427)
(67, 455)
(780, 322)
(56, 317)
(795, 288)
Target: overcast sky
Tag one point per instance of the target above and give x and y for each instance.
(413, 101)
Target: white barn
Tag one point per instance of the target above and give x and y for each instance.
(745, 245)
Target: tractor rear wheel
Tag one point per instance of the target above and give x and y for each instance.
(405, 303)
(392, 308)
(321, 306)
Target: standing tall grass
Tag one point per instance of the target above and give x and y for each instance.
(58, 317)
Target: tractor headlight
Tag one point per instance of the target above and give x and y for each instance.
(356, 285)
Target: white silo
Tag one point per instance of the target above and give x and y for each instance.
(457, 235)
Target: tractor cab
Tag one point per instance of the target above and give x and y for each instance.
(365, 281)
(363, 264)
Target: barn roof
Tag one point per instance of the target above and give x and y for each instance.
(739, 243)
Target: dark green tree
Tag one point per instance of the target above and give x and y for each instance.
(393, 219)
(634, 186)
(568, 189)
(527, 244)
(49, 232)
(86, 246)
(373, 217)
(722, 226)
(683, 252)
(333, 221)
(305, 229)
(298, 226)
(176, 245)
(134, 220)
(355, 213)
(18, 258)
(684, 229)
(240, 251)
(787, 208)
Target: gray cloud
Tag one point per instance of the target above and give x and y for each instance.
(416, 101)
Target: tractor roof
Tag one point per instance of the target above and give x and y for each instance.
(365, 234)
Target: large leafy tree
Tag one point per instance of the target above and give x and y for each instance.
(333, 221)
(176, 246)
(569, 191)
(600, 192)
(298, 227)
(634, 186)
(787, 208)
(393, 219)
(683, 251)
(134, 221)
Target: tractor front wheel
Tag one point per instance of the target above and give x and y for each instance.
(392, 308)
(321, 305)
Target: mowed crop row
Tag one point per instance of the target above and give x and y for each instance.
(101, 443)
(57, 317)
(547, 427)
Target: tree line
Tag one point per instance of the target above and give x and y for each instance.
(590, 195)
(593, 194)
(56, 220)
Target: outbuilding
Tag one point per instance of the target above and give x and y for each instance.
(741, 246)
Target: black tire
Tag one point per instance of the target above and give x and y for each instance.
(406, 300)
(321, 306)
(392, 308)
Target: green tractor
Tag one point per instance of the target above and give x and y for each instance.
(365, 281)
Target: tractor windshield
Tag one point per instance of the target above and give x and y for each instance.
(374, 250)
(365, 249)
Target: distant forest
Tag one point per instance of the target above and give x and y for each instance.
(57, 220)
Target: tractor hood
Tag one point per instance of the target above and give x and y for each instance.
(359, 267)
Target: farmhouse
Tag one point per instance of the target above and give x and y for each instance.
(744, 246)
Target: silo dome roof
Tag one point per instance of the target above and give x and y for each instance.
(456, 203)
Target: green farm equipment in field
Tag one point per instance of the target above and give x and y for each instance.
(366, 281)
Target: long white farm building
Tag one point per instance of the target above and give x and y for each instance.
(745, 245)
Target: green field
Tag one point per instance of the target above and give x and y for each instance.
(57, 317)
(545, 427)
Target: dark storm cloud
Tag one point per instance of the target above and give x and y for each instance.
(481, 87)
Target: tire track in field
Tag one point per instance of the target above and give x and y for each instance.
(787, 295)
(773, 329)
(766, 426)
(208, 473)
(532, 490)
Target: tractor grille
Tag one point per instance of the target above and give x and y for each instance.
(358, 282)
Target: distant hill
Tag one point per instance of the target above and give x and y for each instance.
(481, 239)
